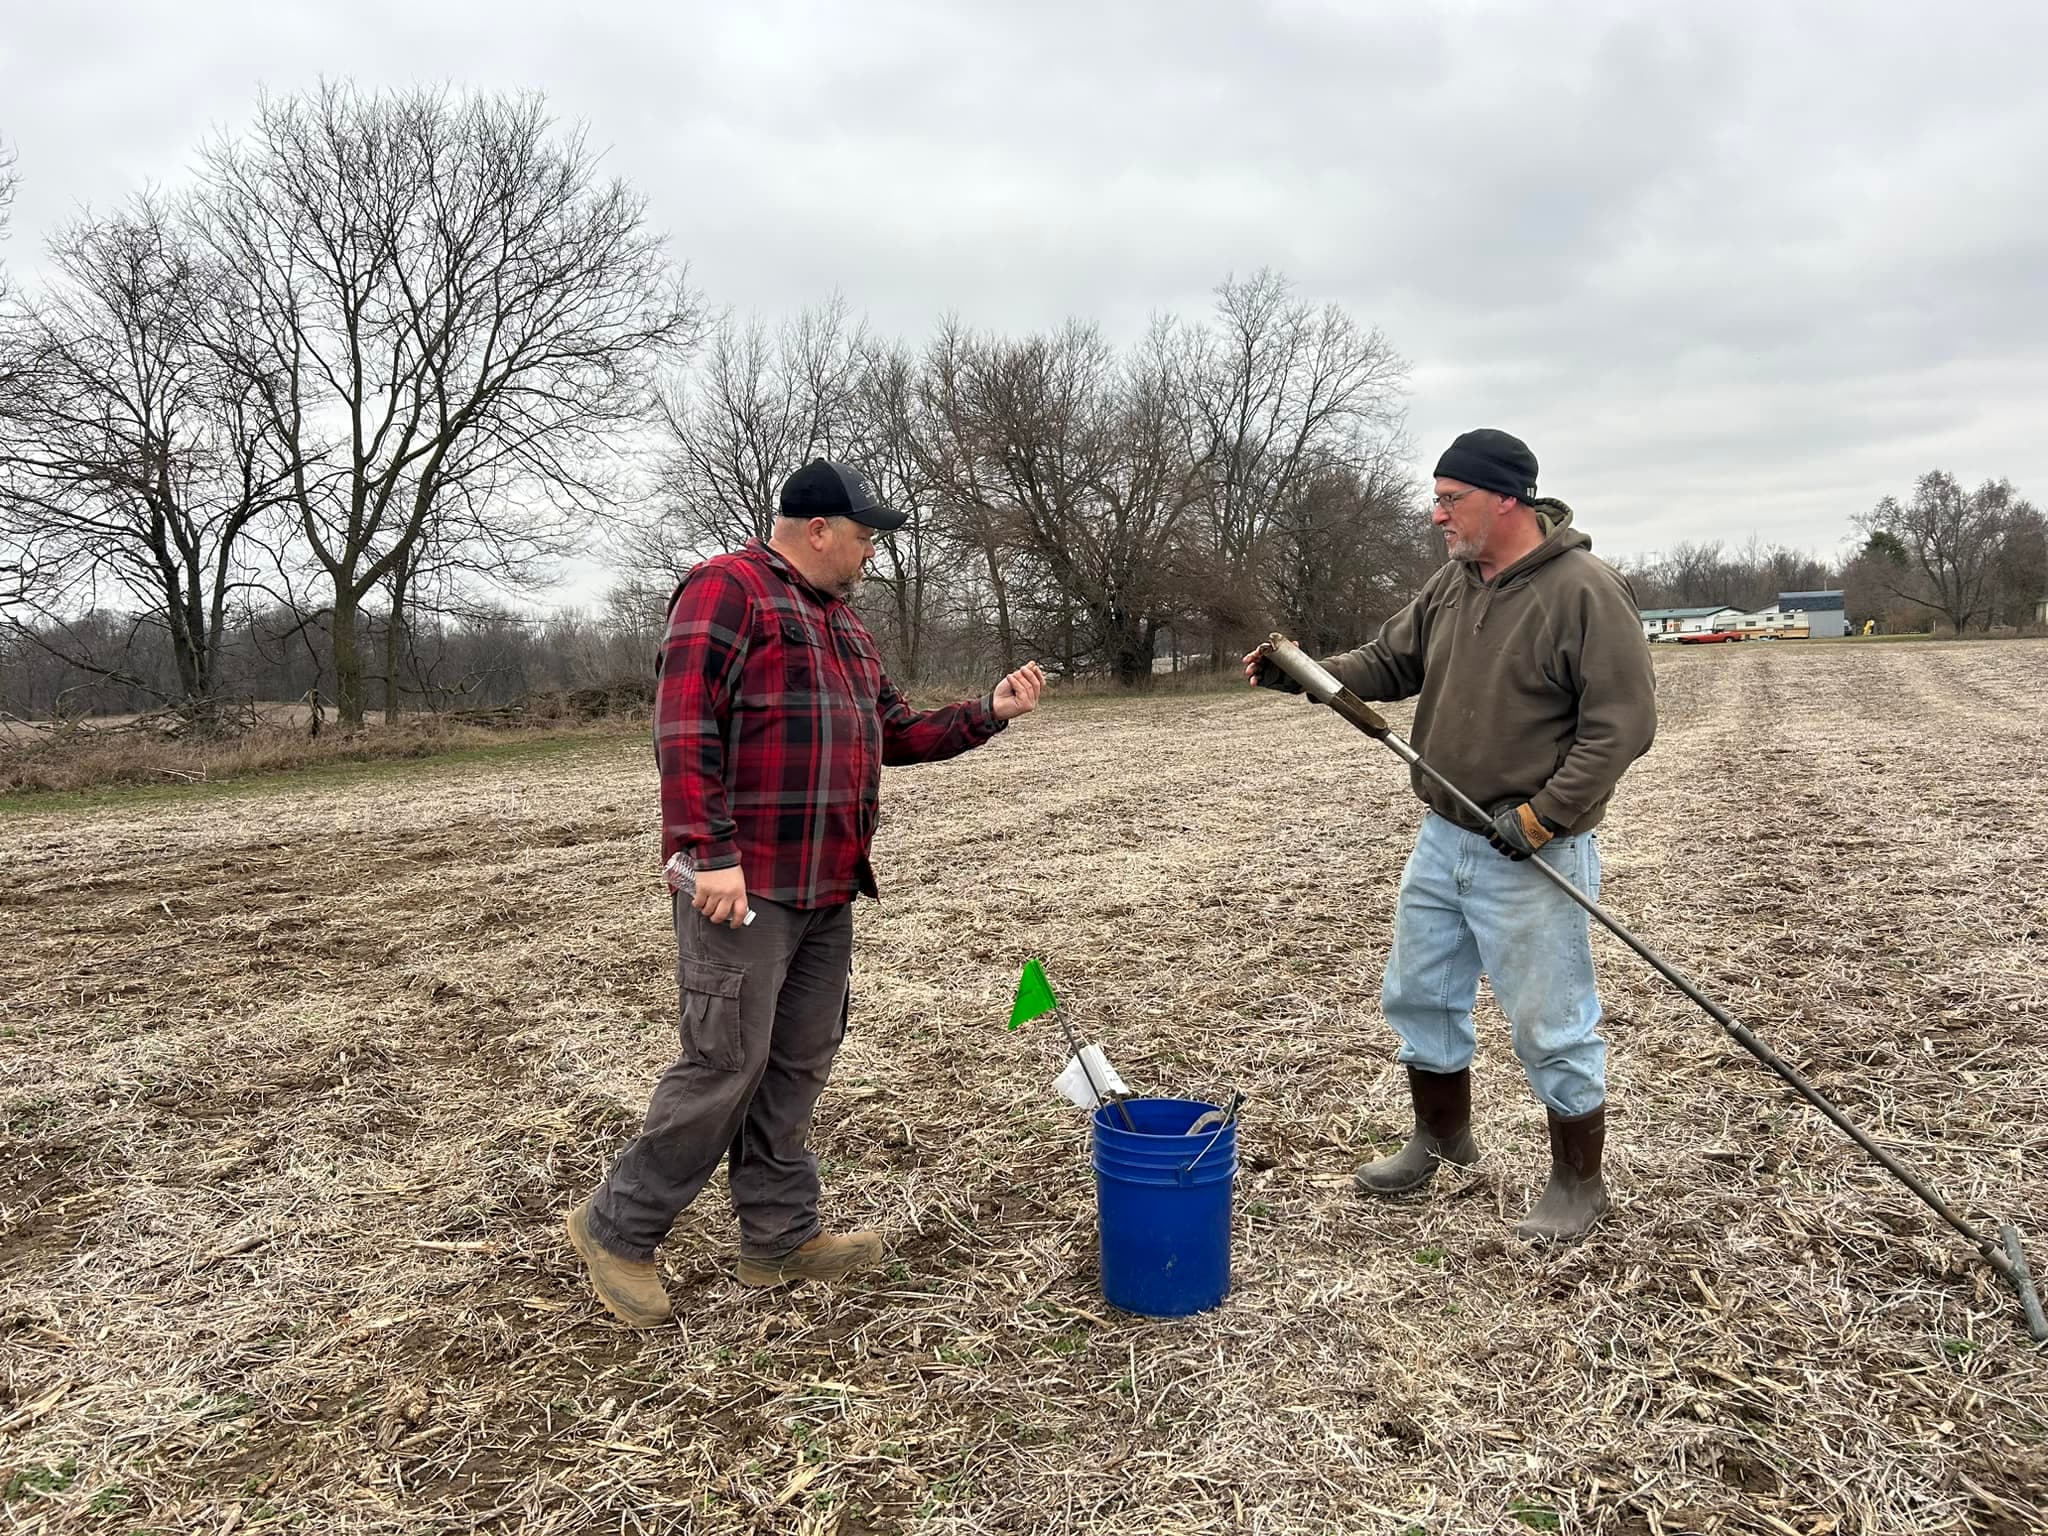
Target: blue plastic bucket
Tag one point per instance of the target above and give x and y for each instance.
(1162, 1201)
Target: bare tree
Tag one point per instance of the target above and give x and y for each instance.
(468, 555)
(1276, 391)
(10, 181)
(1706, 574)
(894, 444)
(969, 514)
(131, 451)
(1083, 454)
(1149, 497)
(1698, 574)
(1785, 569)
(12, 565)
(1943, 545)
(440, 288)
(2019, 579)
(757, 407)
(1346, 550)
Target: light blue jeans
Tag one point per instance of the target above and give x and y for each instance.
(1463, 909)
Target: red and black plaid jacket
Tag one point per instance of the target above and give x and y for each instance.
(772, 722)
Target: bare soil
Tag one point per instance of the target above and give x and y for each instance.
(295, 1086)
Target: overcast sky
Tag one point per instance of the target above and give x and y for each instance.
(1728, 267)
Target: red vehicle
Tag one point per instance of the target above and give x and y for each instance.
(1712, 637)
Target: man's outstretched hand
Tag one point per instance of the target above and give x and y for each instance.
(1018, 693)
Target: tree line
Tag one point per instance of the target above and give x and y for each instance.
(381, 341)
(392, 357)
(324, 418)
(1945, 556)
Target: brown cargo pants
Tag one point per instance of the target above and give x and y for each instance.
(763, 1014)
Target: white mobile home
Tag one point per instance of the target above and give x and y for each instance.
(1687, 621)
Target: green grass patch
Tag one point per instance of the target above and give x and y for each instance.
(113, 1499)
(34, 1481)
(334, 774)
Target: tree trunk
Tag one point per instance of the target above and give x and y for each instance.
(906, 624)
(394, 639)
(348, 664)
(187, 647)
(920, 610)
(393, 645)
(1005, 640)
(1133, 649)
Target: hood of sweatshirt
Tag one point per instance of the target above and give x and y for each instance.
(1554, 518)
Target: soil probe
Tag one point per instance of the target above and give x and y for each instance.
(2009, 1261)
(1035, 1000)
(1102, 1095)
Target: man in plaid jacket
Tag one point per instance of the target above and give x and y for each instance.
(773, 720)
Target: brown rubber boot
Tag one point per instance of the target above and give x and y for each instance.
(1443, 1134)
(824, 1257)
(1576, 1195)
(630, 1289)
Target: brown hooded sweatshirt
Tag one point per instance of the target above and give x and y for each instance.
(1534, 686)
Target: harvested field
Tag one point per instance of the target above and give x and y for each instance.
(294, 1087)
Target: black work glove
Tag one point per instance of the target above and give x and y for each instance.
(1267, 674)
(1518, 831)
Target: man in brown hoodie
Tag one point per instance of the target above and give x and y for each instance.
(1534, 694)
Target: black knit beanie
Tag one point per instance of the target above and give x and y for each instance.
(1493, 461)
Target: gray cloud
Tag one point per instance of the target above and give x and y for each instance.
(1729, 267)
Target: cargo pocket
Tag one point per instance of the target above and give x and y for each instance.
(711, 1017)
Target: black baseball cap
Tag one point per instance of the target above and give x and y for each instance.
(824, 489)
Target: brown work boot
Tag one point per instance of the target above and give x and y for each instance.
(824, 1257)
(1443, 1134)
(1576, 1195)
(629, 1288)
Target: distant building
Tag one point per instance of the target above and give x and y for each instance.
(1686, 621)
(1794, 616)
(1773, 621)
(1797, 616)
(1826, 614)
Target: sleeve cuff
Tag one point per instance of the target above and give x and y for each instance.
(722, 853)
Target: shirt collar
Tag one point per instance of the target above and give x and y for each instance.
(760, 550)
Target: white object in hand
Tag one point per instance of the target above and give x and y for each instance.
(682, 879)
(1072, 1083)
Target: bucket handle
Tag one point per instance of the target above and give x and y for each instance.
(1188, 1167)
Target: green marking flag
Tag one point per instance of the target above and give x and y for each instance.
(1034, 995)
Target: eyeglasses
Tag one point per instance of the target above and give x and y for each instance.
(1450, 501)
